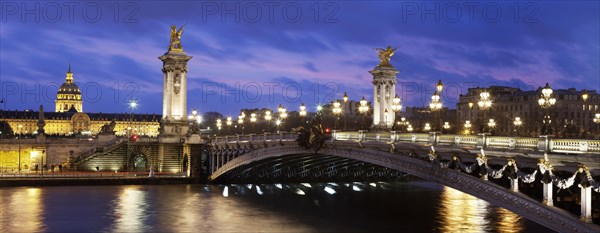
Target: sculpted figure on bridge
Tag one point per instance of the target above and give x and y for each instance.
(315, 137)
(385, 55)
(175, 40)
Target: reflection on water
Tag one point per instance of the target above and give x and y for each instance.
(328, 207)
(462, 212)
(130, 211)
(508, 221)
(21, 210)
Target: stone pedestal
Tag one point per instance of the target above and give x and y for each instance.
(174, 85)
(586, 205)
(173, 131)
(548, 194)
(194, 139)
(514, 185)
(106, 138)
(384, 91)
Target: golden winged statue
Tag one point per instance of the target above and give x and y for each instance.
(175, 41)
(384, 56)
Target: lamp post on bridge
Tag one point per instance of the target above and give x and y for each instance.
(268, 118)
(337, 110)
(396, 107)
(363, 109)
(229, 123)
(253, 121)
(584, 97)
(241, 121)
(546, 101)
(219, 124)
(436, 105)
(282, 115)
(345, 98)
(484, 103)
(302, 114)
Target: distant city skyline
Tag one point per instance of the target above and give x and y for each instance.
(247, 60)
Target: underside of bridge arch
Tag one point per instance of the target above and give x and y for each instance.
(308, 167)
(272, 159)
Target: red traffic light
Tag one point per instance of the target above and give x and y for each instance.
(134, 137)
(327, 130)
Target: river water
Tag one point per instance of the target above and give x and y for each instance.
(324, 207)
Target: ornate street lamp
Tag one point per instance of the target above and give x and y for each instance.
(253, 121)
(409, 128)
(302, 114)
(278, 123)
(484, 104)
(345, 98)
(396, 105)
(492, 125)
(439, 86)
(546, 101)
(195, 119)
(219, 125)
(282, 113)
(363, 109)
(337, 110)
(446, 127)
(229, 122)
(584, 97)
(597, 120)
(435, 106)
(402, 123)
(467, 127)
(518, 124)
(268, 118)
(427, 127)
(241, 121)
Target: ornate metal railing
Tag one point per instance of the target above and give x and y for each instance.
(541, 144)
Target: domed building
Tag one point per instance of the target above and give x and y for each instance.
(68, 95)
(69, 118)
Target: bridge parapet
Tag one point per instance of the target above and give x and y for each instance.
(541, 144)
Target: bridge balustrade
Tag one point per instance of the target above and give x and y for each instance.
(544, 144)
(574, 145)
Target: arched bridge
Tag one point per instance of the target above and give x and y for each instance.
(456, 161)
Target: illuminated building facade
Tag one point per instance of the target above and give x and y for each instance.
(572, 116)
(68, 118)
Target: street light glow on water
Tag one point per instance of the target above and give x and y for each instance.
(423, 207)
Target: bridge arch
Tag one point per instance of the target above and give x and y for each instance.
(551, 217)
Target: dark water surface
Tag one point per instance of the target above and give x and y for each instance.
(332, 207)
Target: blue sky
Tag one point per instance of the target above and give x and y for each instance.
(250, 54)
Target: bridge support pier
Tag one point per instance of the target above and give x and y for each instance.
(514, 185)
(586, 205)
(548, 194)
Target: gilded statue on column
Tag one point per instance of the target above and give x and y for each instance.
(175, 41)
(385, 55)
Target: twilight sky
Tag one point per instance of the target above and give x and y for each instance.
(250, 54)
